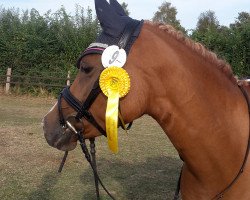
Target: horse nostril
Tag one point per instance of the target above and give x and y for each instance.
(76, 123)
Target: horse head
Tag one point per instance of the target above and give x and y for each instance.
(117, 29)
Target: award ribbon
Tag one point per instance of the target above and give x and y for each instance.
(114, 83)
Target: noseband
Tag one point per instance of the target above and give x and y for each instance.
(82, 109)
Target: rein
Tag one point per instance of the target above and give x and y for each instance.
(221, 194)
(90, 158)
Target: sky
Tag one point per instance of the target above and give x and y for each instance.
(226, 11)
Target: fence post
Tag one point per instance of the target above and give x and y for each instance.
(68, 79)
(7, 86)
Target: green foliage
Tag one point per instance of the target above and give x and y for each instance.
(36, 45)
(167, 14)
(48, 45)
(207, 21)
(231, 43)
(240, 39)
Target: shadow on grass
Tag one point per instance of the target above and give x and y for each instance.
(44, 189)
(143, 179)
(153, 179)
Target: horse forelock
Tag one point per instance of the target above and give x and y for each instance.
(198, 48)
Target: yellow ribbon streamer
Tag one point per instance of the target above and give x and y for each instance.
(115, 84)
(112, 121)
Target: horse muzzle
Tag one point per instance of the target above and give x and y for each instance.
(57, 136)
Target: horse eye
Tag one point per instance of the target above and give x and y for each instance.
(86, 70)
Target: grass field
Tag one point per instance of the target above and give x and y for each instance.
(146, 167)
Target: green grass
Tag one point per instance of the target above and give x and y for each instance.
(146, 167)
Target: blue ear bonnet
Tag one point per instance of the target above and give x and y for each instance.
(108, 39)
(116, 26)
(113, 21)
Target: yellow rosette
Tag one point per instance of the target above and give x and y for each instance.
(115, 84)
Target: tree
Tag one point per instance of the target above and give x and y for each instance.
(207, 30)
(230, 43)
(243, 18)
(240, 50)
(207, 20)
(167, 14)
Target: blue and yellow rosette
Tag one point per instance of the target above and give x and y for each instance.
(115, 84)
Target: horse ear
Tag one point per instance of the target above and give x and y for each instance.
(110, 21)
(117, 7)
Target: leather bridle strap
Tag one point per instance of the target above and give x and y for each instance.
(59, 106)
(90, 159)
(221, 194)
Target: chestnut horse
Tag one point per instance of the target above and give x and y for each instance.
(192, 95)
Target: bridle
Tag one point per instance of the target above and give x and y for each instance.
(82, 109)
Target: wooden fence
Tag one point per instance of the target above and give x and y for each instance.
(10, 80)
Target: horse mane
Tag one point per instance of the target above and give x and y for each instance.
(199, 49)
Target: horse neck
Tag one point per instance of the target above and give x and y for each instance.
(200, 109)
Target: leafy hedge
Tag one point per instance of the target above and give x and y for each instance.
(36, 45)
(231, 43)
